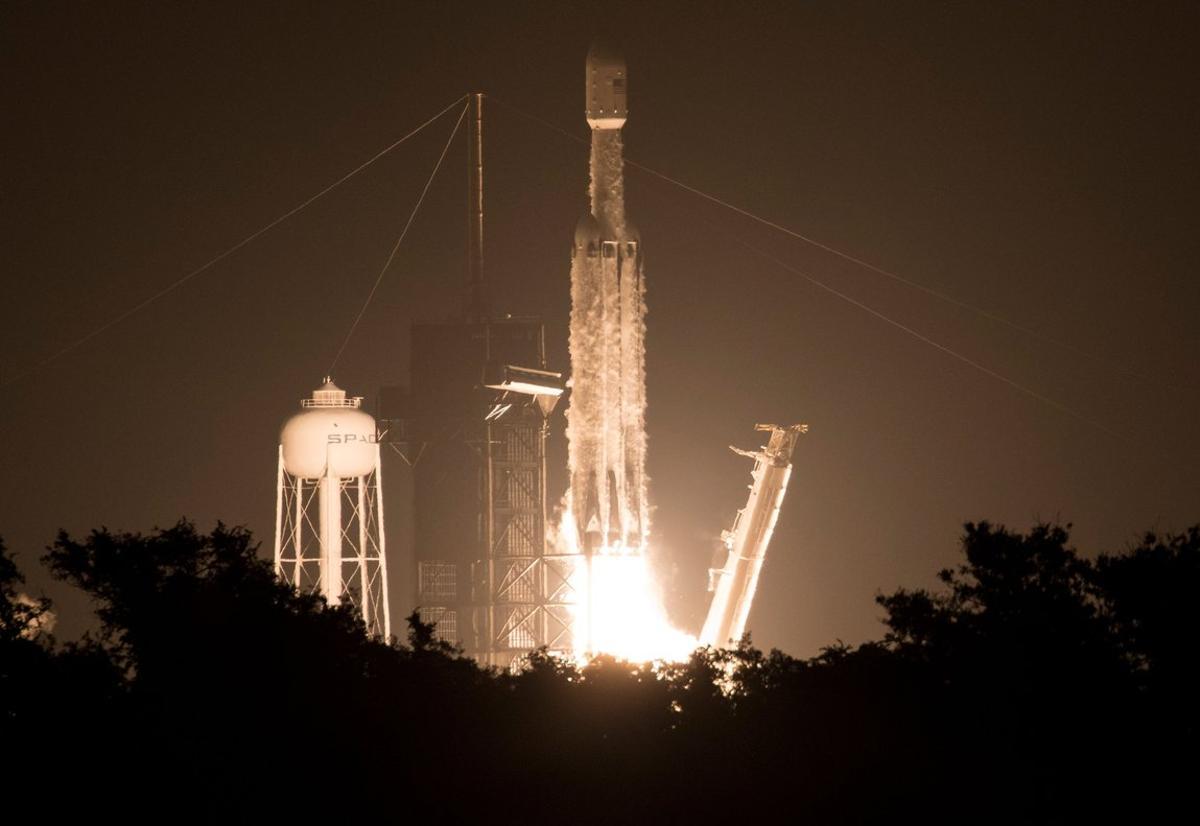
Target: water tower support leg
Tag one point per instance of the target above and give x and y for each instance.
(331, 537)
(364, 578)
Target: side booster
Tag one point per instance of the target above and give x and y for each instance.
(590, 242)
(606, 92)
(607, 489)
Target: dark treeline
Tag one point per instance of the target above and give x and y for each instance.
(1033, 686)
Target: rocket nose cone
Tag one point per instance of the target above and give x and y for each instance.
(604, 51)
(606, 86)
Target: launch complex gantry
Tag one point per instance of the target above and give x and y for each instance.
(473, 427)
(733, 585)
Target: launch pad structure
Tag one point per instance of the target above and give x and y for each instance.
(473, 426)
(476, 438)
(490, 574)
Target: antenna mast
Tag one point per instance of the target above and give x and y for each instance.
(477, 294)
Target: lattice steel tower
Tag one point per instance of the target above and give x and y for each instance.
(473, 427)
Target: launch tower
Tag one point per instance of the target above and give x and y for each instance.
(473, 425)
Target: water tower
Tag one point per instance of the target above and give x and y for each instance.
(328, 510)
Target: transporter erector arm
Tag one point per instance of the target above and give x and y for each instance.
(733, 585)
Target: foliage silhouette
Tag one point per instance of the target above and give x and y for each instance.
(1034, 686)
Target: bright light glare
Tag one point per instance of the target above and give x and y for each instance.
(620, 610)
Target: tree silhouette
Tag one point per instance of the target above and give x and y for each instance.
(21, 618)
(59, 707)
(1028, 662)
(1033, 686)
(1149, 595)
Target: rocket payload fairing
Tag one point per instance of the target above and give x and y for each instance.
(606, 417)
(607, 104)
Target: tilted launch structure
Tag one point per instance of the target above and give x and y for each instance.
(733, 586)
(329, 534)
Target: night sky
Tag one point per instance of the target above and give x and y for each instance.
(1036, 161)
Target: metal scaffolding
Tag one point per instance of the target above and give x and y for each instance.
(474, 430)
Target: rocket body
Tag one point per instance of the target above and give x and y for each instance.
(606, 415)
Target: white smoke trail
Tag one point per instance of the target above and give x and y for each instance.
(606, 509)
(606, 418)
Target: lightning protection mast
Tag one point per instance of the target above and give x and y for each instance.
(475, 426)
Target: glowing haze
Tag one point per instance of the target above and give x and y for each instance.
(606, 517)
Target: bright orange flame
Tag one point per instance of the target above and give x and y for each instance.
(619, 609)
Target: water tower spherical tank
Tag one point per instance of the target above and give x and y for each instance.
(331, 435)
